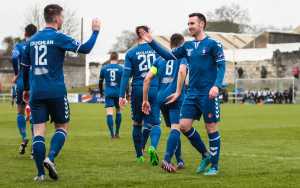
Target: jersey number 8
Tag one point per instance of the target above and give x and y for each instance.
(169, 67)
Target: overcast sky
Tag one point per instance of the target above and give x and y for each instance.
(163, 16)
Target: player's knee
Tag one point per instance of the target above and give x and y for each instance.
(185, 125)
(63, 126)
(175, 126)
(39, 129)
(109, 111)
(211, 127)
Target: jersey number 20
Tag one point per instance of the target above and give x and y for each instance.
(147, 61)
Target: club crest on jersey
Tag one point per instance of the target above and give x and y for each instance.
(189, 52)
(204, 51)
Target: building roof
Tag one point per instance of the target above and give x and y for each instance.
(229, 40)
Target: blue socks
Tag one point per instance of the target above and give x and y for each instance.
(118, 122)
(57, 143)
(110, 124)
(155, 135)
(214, 148)
(196, 141)
(21, 121)
(178, 152)
(137, 139)
(172, 143)
(146, 132)
(39, 152)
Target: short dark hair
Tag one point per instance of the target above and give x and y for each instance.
(176, 40)
(144, 27)
(114, 56)
(200, 16)
(30, 30)
(50, 11)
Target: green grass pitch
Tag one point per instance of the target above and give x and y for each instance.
(260, 148)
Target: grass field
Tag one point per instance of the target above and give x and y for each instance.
(260, 148)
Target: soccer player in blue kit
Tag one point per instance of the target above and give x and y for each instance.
(206, 63)
(167, 73)
(138, 61)
(18, 80)
(111, 74)
(44, 57)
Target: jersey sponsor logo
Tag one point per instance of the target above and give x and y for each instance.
(167, 80)
(40, 71)
(113, 84)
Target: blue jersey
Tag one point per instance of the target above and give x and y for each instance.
(138, 61)
(167, 73)
(17, 55)
(112, 74)
(206, 63)
(45, 53)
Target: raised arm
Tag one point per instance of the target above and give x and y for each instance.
(87, 47)
(177, 53)
(69, 44)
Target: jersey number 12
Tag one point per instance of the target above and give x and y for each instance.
(40, 55)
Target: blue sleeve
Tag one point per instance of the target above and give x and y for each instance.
(183, 61)
(177, 53)
(86, 47)
(126, 75)
(219, 58)
(25, 66)
(15, 59)
(67, 43)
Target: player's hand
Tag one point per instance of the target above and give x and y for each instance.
(172, 98)
(122, 102)
(96, 24)
(213, 92)
(26, 96)
(145, 35)
(13, 81)
(146, 107)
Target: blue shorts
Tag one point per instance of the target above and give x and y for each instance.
(112, 102)
(195, 105)
(19, 92)
(57, 108)
(136, 106)
(171, 113)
